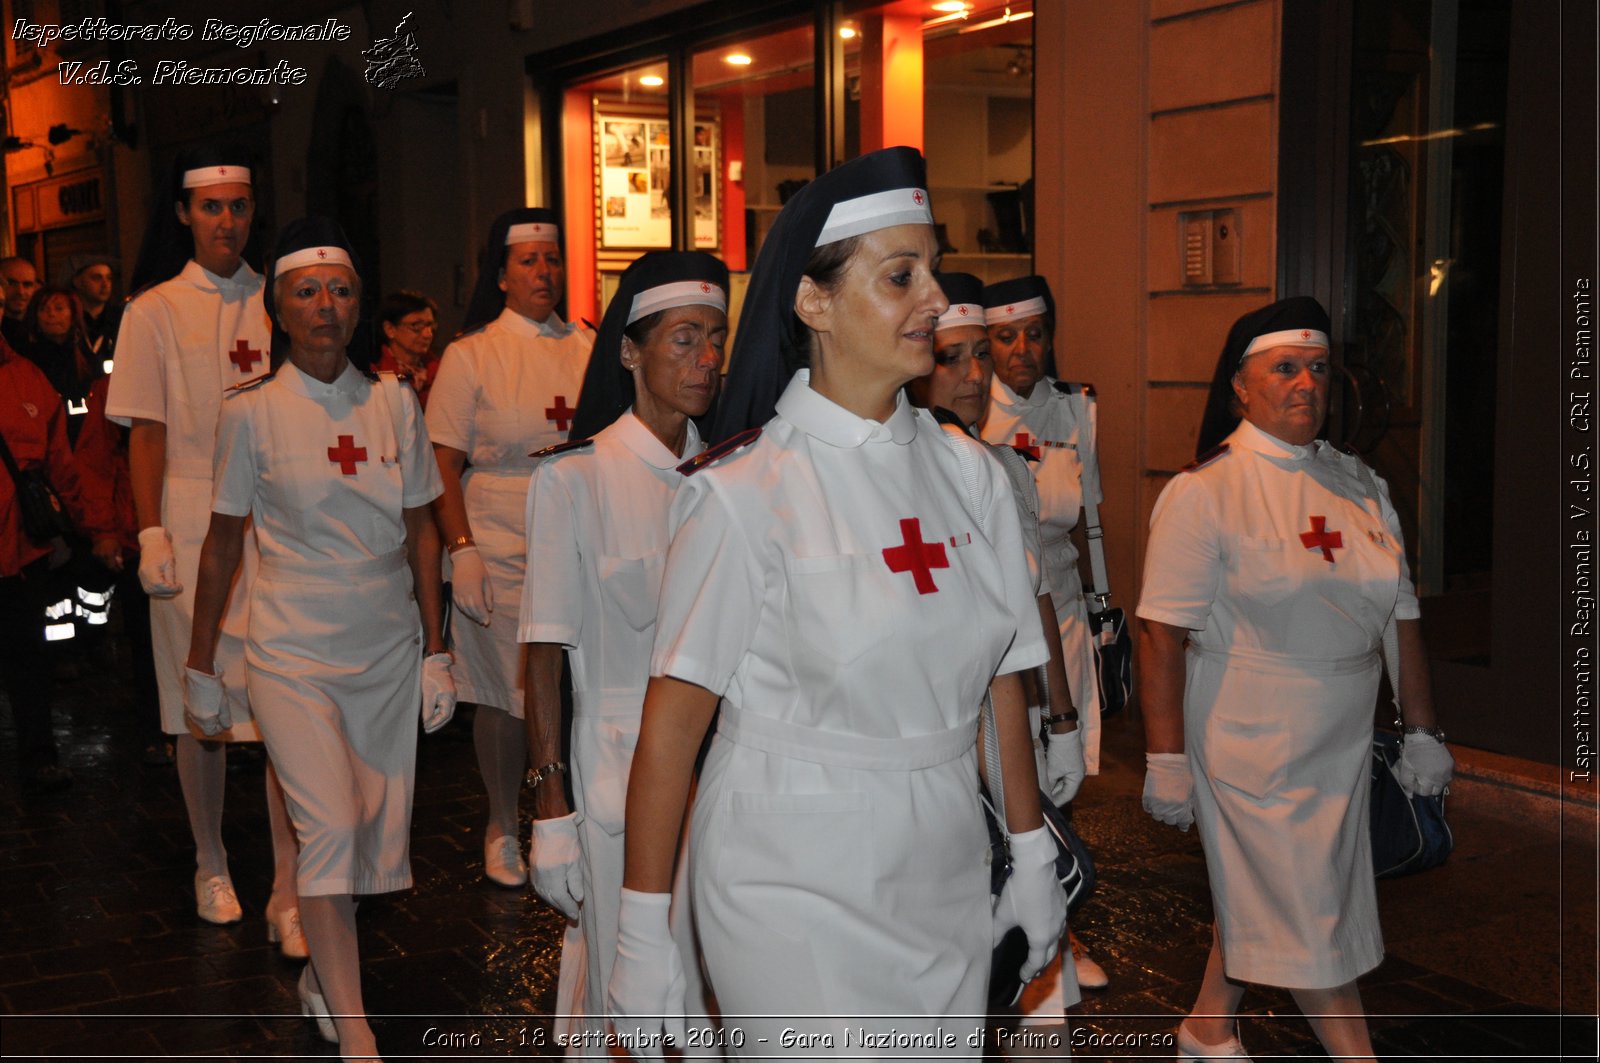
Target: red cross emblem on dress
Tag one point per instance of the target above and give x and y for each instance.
(244, 356)
(346, 454)
(1320, 538)
(560, 413)
(915, 556)
(1025, 442)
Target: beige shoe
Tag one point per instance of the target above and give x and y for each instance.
(1090, 974)
(1191, 1048)
(215, 901)
(313, 1006)
(502, 862)
(283, 930)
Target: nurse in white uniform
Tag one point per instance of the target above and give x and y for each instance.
(1054, 422)
(597, 543)
(957, 390)
(1274, 565)
(335, 468)
(506, 388)
(196, 329)
(850, 580)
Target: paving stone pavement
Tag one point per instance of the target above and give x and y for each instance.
(102, 956)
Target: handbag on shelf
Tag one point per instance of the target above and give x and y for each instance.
(43, 516)
(1409, 832)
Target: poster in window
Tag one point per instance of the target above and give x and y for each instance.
(635, 181)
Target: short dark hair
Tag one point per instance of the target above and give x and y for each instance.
(397, 305)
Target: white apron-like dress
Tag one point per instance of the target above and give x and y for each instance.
(181, 345)
(1058, 429)
(832, 583)
(503, 393)
(597, 545)
(1286, 574)
(334, 655)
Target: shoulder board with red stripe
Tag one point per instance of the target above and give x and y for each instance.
(714, 454)
(1069, 388)
(562, 448)
(252, 383)
(1207, 458)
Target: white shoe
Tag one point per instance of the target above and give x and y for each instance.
(1090, 974)
(1191, 1048)
(502, 862)
(215, 901)
(283, 930)
(312, 1006)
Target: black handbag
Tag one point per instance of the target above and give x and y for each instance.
(1409, 833)
(43, 516)
(1111, 641)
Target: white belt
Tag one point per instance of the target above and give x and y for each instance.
(1288, 663)
(306, 570)
(909, 753)
(615, 701)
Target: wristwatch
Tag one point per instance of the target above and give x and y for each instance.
(1435, 733)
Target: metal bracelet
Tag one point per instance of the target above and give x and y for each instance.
(539, 776)
(1418, 729)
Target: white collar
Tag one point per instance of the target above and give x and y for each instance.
(637, 437)
(817, 415)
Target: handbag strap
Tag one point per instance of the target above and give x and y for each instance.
(967, 460)
(1099, 600)
(10, 462)
(1391, 634)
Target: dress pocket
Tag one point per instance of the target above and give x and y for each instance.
(814, 844)
(633, 586)
(838, 605)
(603, 748)
(1264, 569)
(1250, 756)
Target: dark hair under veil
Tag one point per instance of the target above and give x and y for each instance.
(315, 231)
(607, 386)
(487, 299)
(168, 244)
(1221, 416)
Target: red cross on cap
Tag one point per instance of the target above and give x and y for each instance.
(704, 287)
(1305, 334)
(916, 197)
(1011, 309)
(321, 253)
(962, 310)
(222, 171)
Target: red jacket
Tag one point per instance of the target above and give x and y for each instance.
(102, 455)
(35, 429)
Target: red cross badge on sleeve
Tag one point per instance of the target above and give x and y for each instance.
(1320, 538)
(915, 556)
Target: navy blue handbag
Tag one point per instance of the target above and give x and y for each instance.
(1409, 834)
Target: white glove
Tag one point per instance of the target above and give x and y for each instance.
(1169, 789)
(646, 995)
(557, 866)
(158, 568)
(469, 585)
(1425, 766)
(1038, 903)
(1063, 765)
(438, 692)
(204, 707)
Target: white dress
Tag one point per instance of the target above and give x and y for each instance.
(503, 393)
(832, 584)
(597, 544)
(334, 655)
(1286, 574)
(181, 345)
(1058, 430)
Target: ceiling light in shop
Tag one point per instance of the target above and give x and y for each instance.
(950, 7)
(847, 29)
(652, 81)
(738, 59)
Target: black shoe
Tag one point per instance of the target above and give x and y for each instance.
(49, 779)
